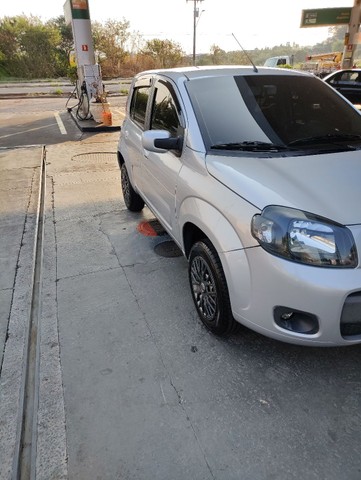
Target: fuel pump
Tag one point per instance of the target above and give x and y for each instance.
(89, 85)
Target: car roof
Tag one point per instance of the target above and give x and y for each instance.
(218, 71)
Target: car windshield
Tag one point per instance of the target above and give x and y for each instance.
(279, 110)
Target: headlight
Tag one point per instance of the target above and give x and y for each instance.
(305, 238)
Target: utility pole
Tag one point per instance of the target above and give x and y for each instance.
(195, 16)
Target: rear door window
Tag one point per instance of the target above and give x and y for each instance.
(138, 105)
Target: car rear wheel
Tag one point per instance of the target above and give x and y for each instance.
(209, 289)
(132, 200)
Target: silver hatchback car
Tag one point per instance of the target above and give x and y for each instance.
(256, 175)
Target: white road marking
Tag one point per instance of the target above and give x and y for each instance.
(122, 114)
(60, 123)
(27, 131)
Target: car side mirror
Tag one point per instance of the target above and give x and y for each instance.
(160, 141)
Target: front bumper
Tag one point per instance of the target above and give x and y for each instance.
(259, 283)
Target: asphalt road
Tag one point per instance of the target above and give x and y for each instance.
(44, 120)
(131, 385)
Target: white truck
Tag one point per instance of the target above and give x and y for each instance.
(279, 61)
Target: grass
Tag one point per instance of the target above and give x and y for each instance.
(55, 81)
(5, 79)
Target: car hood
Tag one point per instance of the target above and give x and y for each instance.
(327, 184)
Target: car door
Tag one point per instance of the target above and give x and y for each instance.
(352, 89)
(160, 170)
(134, 126)
(348, 83)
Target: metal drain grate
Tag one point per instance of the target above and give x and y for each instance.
(167, 249)
(95, 157)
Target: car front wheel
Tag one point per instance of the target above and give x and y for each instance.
(209, 288)
(132, 200)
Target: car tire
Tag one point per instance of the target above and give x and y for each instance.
(132, 200)
(209, 288)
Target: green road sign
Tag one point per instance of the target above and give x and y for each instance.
(322, 17)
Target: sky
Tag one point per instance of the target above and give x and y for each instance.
(254, 24)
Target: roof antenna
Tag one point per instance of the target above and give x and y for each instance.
(244, 51)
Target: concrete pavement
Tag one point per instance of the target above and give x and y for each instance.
(19, 197)
(94, 335)
(18, 222)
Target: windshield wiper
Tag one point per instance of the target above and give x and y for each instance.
(254, 146)
(330, 138)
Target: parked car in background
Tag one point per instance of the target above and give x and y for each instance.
(255, 174)
(347, 82)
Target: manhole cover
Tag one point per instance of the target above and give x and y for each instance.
(101, 157)
(167, 249)
(151, 228)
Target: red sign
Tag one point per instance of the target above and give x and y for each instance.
(80, 4)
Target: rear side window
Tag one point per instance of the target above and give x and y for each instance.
(350, 77)
(138, 105)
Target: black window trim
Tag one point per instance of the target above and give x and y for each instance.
(131, 116)
(151, 100)
(143, 81)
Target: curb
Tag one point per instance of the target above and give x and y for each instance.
(10, 96)
(4, 96)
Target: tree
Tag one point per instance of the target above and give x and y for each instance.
(165, 53)
(110, 43)
(29, 48)
(218, 55)
(10, 28)
(66, 42)
(39, 54)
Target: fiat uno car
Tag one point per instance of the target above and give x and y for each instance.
(256, 175)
